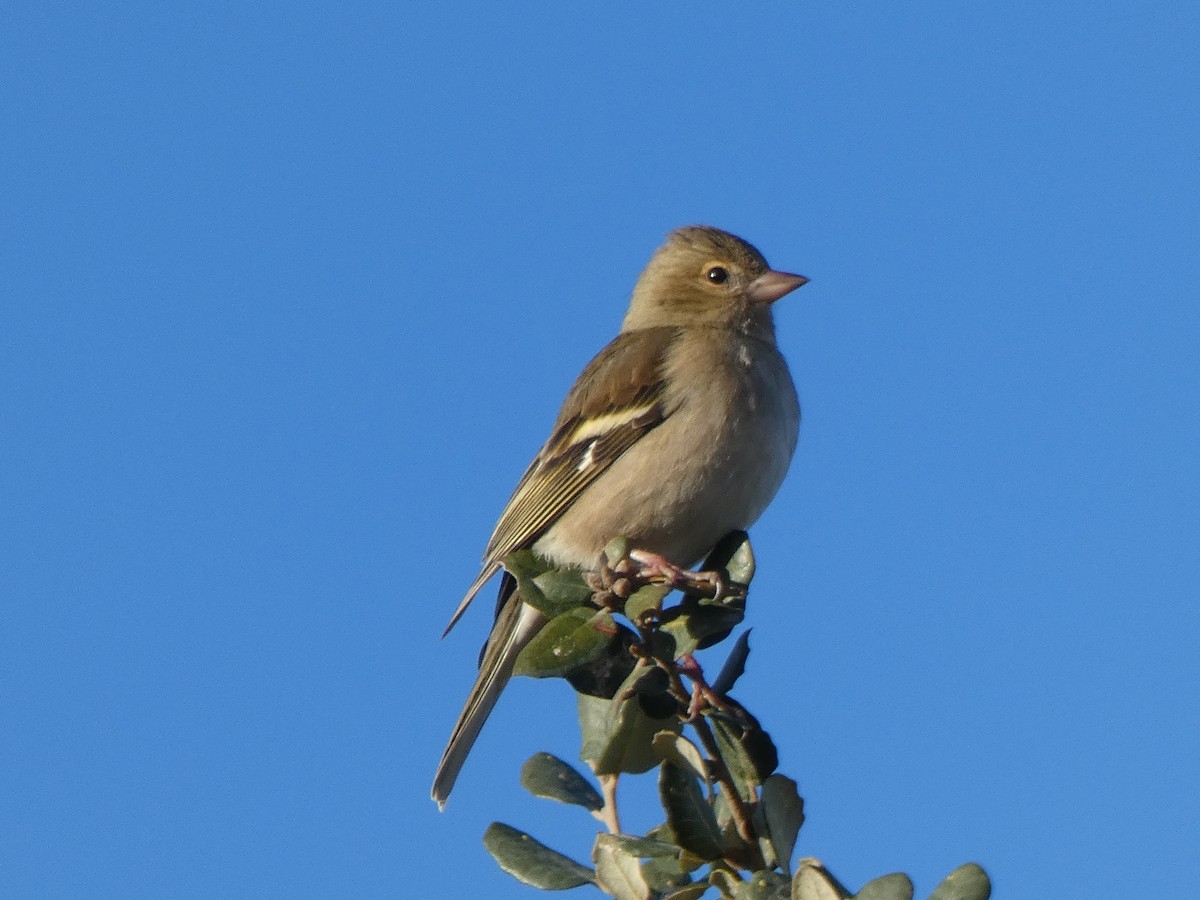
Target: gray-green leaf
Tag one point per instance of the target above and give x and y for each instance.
(526, 566)
(616, 550)
(567, 642)
(738, 557)
(665, 873)
(688, 813)
(725, 882)
(645, 598)
(814, 882)
(689, 624)
(563, 588)
(783, 809)
(741, 767)
(532, 862)
(619, 872)
(896, 886)
(544, 775)
(764, 886)
(967, 882)
(617, 735)
(645, 847)
(690, 892)
(678, 750)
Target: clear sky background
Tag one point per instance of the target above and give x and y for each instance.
(291, 294)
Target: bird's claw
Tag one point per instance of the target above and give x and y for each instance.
(657, 569)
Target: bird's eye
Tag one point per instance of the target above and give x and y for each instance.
(717, 275)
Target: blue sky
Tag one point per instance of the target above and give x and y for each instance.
(291, 295)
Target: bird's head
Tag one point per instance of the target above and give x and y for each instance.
(703, 276)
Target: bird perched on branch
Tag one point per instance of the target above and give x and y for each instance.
(678, 432)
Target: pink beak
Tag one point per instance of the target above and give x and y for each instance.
(770, 286)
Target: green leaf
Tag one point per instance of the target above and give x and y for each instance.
(616, 550)
(688, 813)
(734, 556)
(618, 872)
(604, 675)
(645, 598)
(532, 862)
(967, 882)
(724, 881)
(758, 828)
(783, 809)
(814, 882)
(688, 862)
(690, 624)
(732, 844)
(618, 735)
(662, 868)
(645, 847)
(678, 750)
(691, 892)
(735, 664)
(548, 776)
(741, 766)
(764, 886)
(664, 874)
(567, 642)
(650, 681)
(722, 809)
(755, 748)
(526, 566)
(564, 589)
(896, 886)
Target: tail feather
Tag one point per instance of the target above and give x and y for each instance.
(515, 627)
(480, 580)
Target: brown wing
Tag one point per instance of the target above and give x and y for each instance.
(617, 399)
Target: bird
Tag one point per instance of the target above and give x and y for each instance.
(678, 432)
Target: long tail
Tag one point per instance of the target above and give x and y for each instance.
(515, 626)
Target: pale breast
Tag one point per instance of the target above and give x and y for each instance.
(710, 468)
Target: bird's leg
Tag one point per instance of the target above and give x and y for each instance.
(655, 567)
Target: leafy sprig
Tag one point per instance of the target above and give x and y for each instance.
(731, 822)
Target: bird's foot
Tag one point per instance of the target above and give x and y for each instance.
(615, 581)
(613, 584)
(657, 569)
